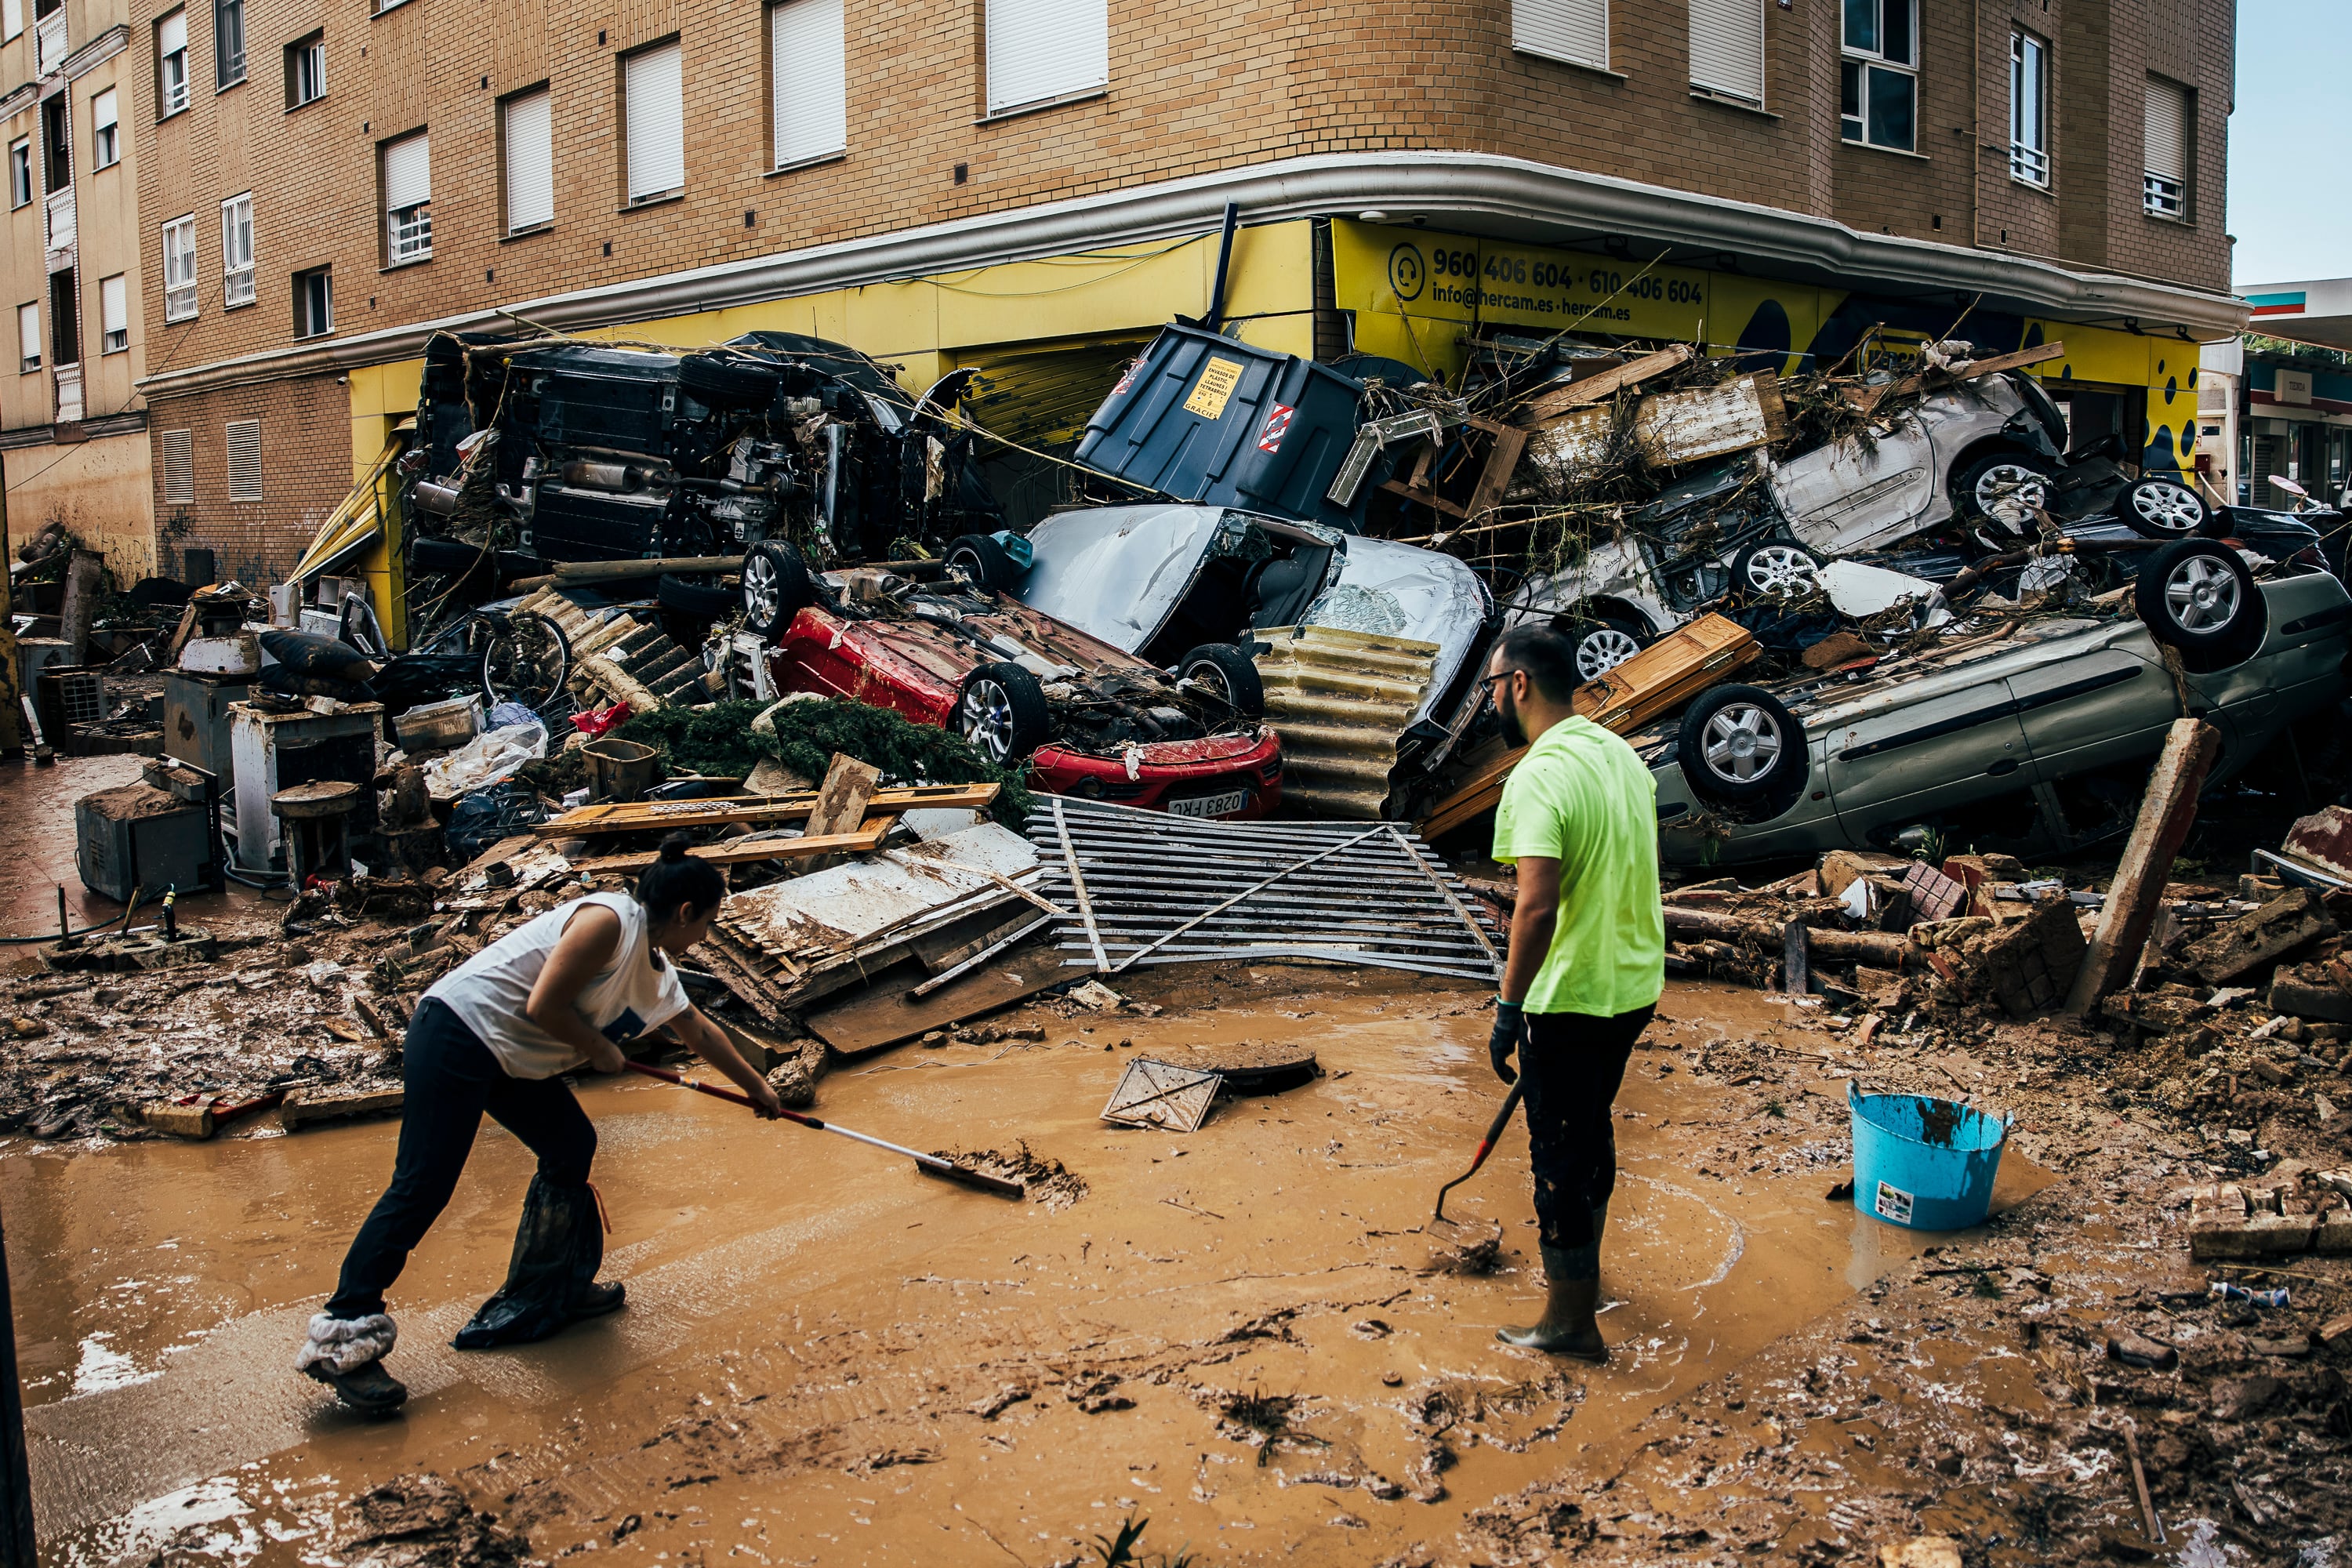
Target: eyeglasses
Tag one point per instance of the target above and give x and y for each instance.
(1485, 681)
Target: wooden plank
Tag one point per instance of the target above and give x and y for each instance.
(747, 851)
(1427, 498)
(841, 799)
(2167, 811)
(1502, 462)
(889, 1012)
(308, 1107)
(751, 810)
(1866, 398)
(1608, 384)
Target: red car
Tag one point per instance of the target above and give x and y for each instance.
(1092, 719)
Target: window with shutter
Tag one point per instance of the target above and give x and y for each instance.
(236, 251)
(178, 448)
(1726, 48)
(1572, 30)
(12, 18)
(20, 171)
(530, 161)
(170, 65)
(653, 92)
(228, 42)
(2165, 189)
(408, 199)
(808, 61)
(243, 439)
(113, 314)
(180, 268)
(2028, 140)
(1039, 50)
(105, 131)
(28, 339)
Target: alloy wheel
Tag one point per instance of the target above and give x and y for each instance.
(2167, 506)
(2202, 594)
(761, 597)
(1782, 571)
(1742, 742)
(985, 719)
(1601, 650)
(2011, 493)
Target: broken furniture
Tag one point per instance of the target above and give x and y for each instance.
(314, 823)
(274, 752)
(159, 834)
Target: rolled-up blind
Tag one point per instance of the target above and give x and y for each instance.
(1727, 48)
(1041, 49)
(655, 88)
(2167, 130)
(408, 171)
(171, 35)
(530, 161)
(808, 59)
(1575, 30)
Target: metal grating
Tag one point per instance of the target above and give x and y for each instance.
(1148, 887)
(178, 450)
(243, 439)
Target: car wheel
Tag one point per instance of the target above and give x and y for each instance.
(1739, 745)
(1226, 674)
(982, 561)
(2198, 596)
(2002, 487)
(698, 601)
(526, 661)
(1600, 646)
(776, 587)
(2164, 509)
(1776, 570)
(1001, 712)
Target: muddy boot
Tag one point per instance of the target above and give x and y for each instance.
(551, 1279)
(1570, 1325)
(347, 1355)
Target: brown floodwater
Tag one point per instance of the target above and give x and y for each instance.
(810, 1323)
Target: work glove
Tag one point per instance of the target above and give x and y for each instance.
(1509, 1024)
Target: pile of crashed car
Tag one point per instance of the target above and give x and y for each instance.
(1883, 610)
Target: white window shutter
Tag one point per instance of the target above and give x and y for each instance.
(2167, 130)
(171, 36)
(12, 18)
(655, 87)
(1041, 49)
(28, 333)
(1572, 30)
(1727, 48)
(808, 58)
(243, 439)
(102, 109)
(530, 161)
(113, 305)
(179, 452)
(408, 171)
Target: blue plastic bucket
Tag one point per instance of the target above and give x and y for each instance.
(1924, 1162)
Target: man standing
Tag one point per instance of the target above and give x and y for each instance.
(1587, 960)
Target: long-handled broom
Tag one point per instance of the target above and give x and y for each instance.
(929, 1164)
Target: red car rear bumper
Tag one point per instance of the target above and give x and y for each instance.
(1247, 769)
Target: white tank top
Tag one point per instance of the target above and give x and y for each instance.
(626, 998)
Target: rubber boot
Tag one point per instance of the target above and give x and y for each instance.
(366, 1388)
(1569, 1326)
(552, 1279)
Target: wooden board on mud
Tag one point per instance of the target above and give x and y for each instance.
(882, 1015)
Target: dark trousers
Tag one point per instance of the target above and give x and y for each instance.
(451, 1078)
(1572, 1064)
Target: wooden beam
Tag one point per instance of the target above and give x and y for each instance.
(841, 799)
(1866, 398)
(743, 851)
(2167, 810)
(1502, 462)
(747, 811)
(1608, 384)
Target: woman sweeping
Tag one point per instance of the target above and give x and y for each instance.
(494, 1035)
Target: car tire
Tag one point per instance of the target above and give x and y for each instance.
(1226, 675)
(526, 660)
(2160, 508)
(2197, 595)
(982, 561)
(776, 587)
(720, 383)
(1598, 647)
(1739, 745)
(1986, 483)
(699, 601)
(1777, 569)
(1001, 712)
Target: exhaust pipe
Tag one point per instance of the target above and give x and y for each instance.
(595, 476)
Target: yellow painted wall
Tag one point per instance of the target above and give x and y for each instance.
(99, 490)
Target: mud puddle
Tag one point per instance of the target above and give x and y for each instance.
(827, 1358)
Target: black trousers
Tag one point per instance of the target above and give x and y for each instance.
(452, 1080)
(1572, 1064)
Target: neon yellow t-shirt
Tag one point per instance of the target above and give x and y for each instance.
(1580, 796)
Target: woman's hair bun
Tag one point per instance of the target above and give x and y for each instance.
(673, 849)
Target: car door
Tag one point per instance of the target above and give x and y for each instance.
(1850, 496)
(2092, 709)
(1924, 748)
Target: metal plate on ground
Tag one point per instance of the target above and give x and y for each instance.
(1159, 1094)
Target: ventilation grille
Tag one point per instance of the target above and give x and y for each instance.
(179, 452)
(244, 441)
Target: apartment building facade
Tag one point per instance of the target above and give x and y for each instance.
(1034, 186)
(73, 423)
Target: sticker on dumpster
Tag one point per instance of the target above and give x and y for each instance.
(1277, 425)
(1215, 388)
(1894, 1203)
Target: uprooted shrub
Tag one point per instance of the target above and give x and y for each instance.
(718, 739)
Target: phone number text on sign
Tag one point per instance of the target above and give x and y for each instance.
(1540, 285)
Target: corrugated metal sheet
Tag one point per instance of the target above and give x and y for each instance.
(1341, 701)
(1044, 396)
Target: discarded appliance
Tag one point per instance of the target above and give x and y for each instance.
(159, 834)
(274, 751)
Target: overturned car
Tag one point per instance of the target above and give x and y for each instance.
(530, 453)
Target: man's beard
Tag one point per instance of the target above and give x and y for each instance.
(1507, 712)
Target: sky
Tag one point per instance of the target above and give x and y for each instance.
(2295, 90)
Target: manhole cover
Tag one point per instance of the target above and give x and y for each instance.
(1251, 1067)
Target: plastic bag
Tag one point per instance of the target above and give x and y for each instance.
(508, 714)
(598, 722)
(483, 760)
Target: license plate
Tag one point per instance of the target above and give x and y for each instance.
(1211, 804)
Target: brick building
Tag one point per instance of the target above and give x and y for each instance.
(1034, 186)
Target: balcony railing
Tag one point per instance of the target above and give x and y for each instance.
(2029, 165)
(410, 234)
(61, 229)
(68, 390)
(50, 42)
(2160, 197)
